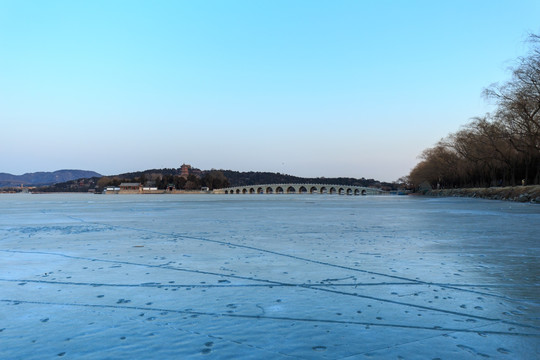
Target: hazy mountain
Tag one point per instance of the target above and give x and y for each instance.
(44, 178)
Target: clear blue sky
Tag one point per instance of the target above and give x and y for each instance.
(309, 88)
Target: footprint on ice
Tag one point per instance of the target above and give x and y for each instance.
(472, 350)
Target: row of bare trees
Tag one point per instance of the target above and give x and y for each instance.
(499, 149)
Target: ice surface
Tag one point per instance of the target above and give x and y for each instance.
(267, 276)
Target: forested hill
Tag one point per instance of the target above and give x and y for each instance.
(237, 178)
(44, 178)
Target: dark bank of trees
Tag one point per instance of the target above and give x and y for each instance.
(212, 179)
(166, 178)
(239, 178)
(499, 149)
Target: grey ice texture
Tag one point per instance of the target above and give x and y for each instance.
(267, 277)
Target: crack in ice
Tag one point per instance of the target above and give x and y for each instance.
(314, 287)
(280, 318)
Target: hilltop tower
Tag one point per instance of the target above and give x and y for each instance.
(185, 170)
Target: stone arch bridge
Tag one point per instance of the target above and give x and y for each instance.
(300, 189)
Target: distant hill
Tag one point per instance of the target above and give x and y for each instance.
(44, 178)
(242, 178)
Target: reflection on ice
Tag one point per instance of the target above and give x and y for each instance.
(267, 276)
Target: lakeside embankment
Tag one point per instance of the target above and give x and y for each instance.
(510, 193)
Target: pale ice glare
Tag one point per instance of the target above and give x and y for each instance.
(267, 276)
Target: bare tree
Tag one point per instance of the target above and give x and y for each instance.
(518, 111)
(495, 149)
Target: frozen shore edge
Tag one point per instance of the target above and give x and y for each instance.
(529, 193)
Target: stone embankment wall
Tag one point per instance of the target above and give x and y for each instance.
(514, 193)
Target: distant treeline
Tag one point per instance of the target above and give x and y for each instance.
(166, 178)
(237, 178)
(499, 149)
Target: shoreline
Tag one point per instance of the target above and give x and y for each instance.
(529, 193)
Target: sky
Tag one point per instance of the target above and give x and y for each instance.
(308, 88)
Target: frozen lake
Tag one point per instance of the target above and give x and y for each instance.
(267, 277)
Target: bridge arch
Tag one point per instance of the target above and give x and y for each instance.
(291, 190)
(349, 191)
(260, 190)
(332, 190)
(302, 190)
(279, 190)
(252, 191)
(269, 190)
(313, 190)
(324, 190)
